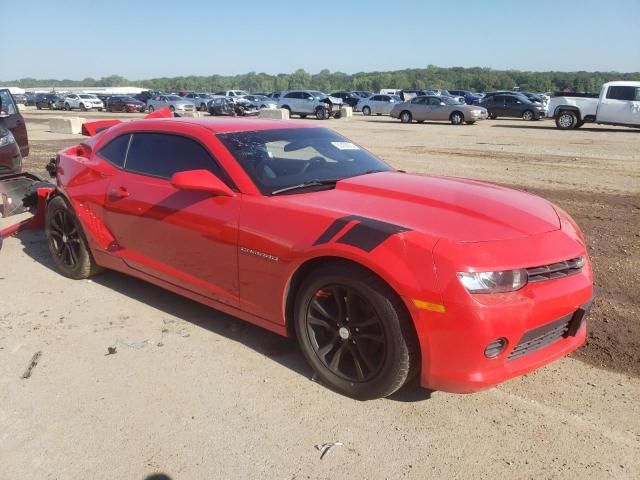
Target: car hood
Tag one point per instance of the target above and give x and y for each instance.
(457, 209)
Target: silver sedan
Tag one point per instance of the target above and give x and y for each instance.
(261, 101)
(431, 107)
(175, 103)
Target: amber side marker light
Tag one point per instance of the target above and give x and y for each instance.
(432, 307)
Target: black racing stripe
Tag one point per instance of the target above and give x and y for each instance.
(369, 233)
(332, 230)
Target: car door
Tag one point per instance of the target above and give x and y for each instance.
(11, 118)
(419, 107)
(438, 111)
(512, 106)
(620, 104)
(307, 103)
(188, 238)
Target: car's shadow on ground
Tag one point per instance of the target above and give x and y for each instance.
(275, 347)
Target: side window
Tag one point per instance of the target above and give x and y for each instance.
(434, 101)
(622, 93)
(162, 155)
(289, 95)
(7, 107)
(375, 98)
(116, 150)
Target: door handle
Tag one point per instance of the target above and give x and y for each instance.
(117, 193)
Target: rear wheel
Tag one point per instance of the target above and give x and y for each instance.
(172, 108)
(405, 117)
(203, 107)
(66, 241)
(366, 111)
(302, 115)
(67, 106)
(566, 120)
(355, 332)
(151, 109)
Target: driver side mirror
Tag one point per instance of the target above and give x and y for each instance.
(201, 181)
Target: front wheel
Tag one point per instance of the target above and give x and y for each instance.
(527, 115)
(151, 109)
(566, 120)
(366, 111)
(321, 113)
(82, 107)
(456, 118)
(67, 107)
(355, 332)
(66, 241)
(203, 107)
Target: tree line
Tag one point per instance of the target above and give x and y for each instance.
(475, 79)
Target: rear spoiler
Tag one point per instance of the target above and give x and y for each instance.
(90, 129)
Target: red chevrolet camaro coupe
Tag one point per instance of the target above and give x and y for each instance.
(379, 274)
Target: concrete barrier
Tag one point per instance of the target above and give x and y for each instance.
(192, 114)
(346, 112)
(66, 124)
(274, 113)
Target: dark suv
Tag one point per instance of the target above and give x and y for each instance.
(512, 105)
(46, 100)
(14, 143)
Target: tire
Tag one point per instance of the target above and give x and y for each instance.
(99, 109)
(321, 113)
(67, 107)
(172, 109)
(579, 124)
(151, 109)
(405, 116)
(456, 118)
(66, 241)
(528, 115)
(337, 115)
(377, 353)
(469, 123)
(566, 120)
(302, 115)
(366, 111)
(203, 107)
(262, 107)
(288, 109)
(83, 108)
(491, 116)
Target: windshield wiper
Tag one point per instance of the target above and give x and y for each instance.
(300, 186)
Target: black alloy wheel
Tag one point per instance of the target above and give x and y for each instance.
(66, 241)
(64, 238)
(346, 333)
(355, 331)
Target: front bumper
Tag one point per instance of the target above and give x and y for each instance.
(453, 343)
(480, 116)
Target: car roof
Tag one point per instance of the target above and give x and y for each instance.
(224, 125)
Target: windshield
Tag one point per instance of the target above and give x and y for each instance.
(317, 94)
(174, 98)
(450, 101)
(277, 159)
(86, 96)
(128, 99)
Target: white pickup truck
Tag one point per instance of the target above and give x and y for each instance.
(618, 104)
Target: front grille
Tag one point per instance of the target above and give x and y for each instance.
(541, 337)
(555, 270)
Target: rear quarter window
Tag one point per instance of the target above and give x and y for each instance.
(116, 150)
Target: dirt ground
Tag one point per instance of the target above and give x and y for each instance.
(193, 393)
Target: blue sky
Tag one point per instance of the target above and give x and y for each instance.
(138, 40)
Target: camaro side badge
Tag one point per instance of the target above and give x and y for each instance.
(365, 234)
(259, 254)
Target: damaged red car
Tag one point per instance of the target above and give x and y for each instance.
(380, 275)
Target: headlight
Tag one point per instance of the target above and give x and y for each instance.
(6, 138)
(493, 282)
(478, 112)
